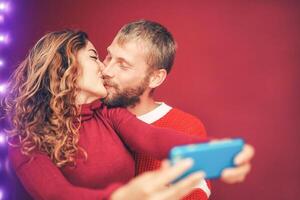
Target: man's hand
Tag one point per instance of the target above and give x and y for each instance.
(243, 166)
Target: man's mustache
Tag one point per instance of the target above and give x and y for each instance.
(108, 82)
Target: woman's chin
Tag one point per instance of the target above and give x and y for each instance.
(103, 94)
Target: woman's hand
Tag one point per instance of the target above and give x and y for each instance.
(155, 185)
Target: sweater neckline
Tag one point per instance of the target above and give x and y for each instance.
(156, 113)
(88, 110)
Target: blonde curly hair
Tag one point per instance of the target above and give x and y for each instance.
(41, 101)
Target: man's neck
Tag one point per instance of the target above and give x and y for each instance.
(145, 105)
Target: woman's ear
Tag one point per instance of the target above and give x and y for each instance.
(157, 77)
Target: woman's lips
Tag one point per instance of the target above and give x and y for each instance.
(106, 85)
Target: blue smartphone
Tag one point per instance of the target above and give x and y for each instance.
(211, 157)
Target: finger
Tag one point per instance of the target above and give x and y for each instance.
(219, 140)
(245, 155)
(234, 175)
(159, 179)
(182, 188)
(170, 173)
(165, 164)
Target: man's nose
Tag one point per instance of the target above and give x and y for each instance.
(107, 70)
(102, 66)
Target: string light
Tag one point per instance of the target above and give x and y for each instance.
(2, 88)
(2, 139)
(5, 8)
(1, 194)
(4, 38)
(1, 18)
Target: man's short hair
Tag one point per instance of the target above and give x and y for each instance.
(159, 41)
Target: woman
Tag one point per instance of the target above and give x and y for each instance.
(65, 144)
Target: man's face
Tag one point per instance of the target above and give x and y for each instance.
(126, 74)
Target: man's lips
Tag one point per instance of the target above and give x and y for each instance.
(106, 85)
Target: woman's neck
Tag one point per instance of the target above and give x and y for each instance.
(83, 98)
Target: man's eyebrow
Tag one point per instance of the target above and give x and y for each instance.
(125, 61)
(93, 50)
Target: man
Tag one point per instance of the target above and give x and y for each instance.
(138, 60)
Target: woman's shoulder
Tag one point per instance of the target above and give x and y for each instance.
(109, 110)
(117, 114)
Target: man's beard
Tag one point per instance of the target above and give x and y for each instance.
(127, 97)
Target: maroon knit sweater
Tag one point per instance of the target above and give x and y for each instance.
(109, 136)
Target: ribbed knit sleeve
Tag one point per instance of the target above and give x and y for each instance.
(43, 180)
(144, 138)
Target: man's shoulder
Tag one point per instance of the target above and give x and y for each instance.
(182, 121)
(180, 115)
(184, 115)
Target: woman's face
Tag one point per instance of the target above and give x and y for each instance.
(90, 80)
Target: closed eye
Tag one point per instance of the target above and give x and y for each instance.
(124, 67)
(94, 57)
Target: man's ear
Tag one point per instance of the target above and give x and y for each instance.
(157, 77)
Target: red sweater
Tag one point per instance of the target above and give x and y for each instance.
(109, 137)
(165, 116)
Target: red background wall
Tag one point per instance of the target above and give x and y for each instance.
(237, 69)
